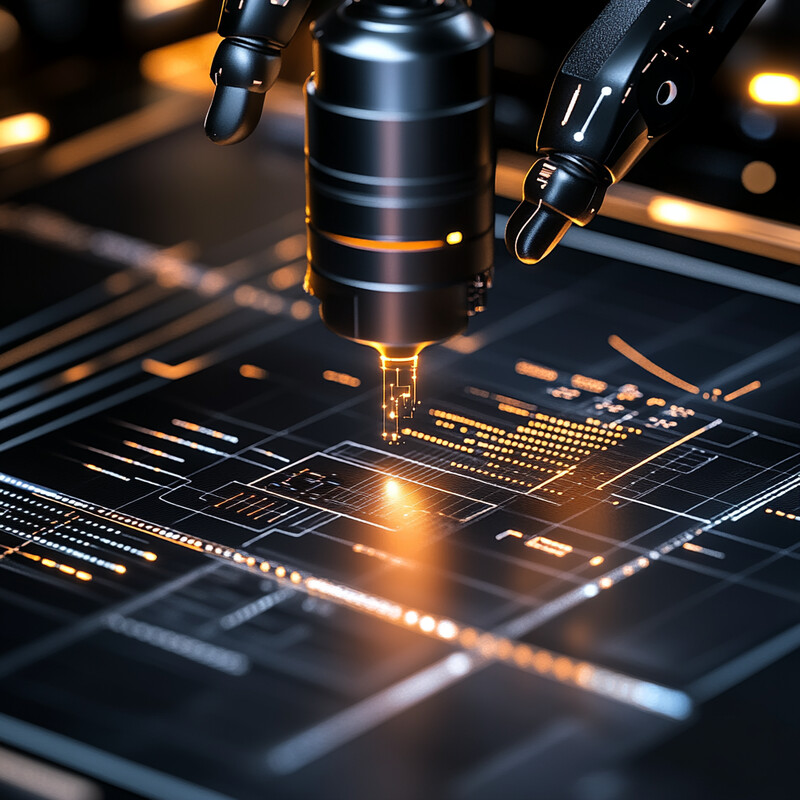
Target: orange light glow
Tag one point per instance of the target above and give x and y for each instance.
(78, 372)
(687, 214)
(775, 89)
(286, 277)
(669, 211)
(300, 309)
(147, 9)
(342, 378)
(456, 237)
(751, 387)
(596, 561)
(589, 384)
(759, 177)
(174, 372)
(536, 371)
(376, 244)
(80, 326)
(291, 248)
(551, 546)
(392, 489)
(23, 130)
(253, 372)
(183, 65)
(509, 409)
(634, 355)
(465, 344)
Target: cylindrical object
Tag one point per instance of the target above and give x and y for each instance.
(400, 170)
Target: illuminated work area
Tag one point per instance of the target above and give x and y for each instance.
(434, 437)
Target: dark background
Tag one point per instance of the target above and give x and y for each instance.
(78, 63)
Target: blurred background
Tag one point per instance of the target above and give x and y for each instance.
(68, 66)
(84, 80)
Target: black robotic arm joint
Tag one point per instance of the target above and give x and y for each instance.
(628, 81)
(247, 62)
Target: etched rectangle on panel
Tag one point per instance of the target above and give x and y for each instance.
(377, 498)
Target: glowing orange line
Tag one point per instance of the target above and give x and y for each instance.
(173, 330)
(114, 137)
(81, 326)
(550, 480)
(662, 451)
(177, 371)
(374, 244)
(122, 524)
(751, 387)
(10, 551)
(645, 363)
(218, 505)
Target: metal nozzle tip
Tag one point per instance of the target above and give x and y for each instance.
(399, 395)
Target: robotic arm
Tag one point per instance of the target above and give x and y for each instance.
(247, 62)
(400, 156)
(628, 81)
(399, 166)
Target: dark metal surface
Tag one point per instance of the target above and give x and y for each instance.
(192, 668)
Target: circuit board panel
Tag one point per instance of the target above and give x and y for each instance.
(214, 573)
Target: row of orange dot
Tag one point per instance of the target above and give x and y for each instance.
(436, 440)
(480, 471)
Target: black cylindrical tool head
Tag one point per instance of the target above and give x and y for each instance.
(400, 169)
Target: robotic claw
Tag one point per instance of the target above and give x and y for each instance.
(400, 157)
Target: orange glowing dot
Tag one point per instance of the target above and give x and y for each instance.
(759, 177)
(301, 309)
(285, 278)
(264, 566)
(295, 577)
(606, 583)
(427, 624)
(252, 372)
(468, 638)
(119, 569)
(411, 618)
(83, 576)
(562, 668)
(597, 561)
(504, 649)
(280, 572)
(456, 237)
(447, 630)
(542, 661)
(523, 655)
(487, 645)
(392, 489)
